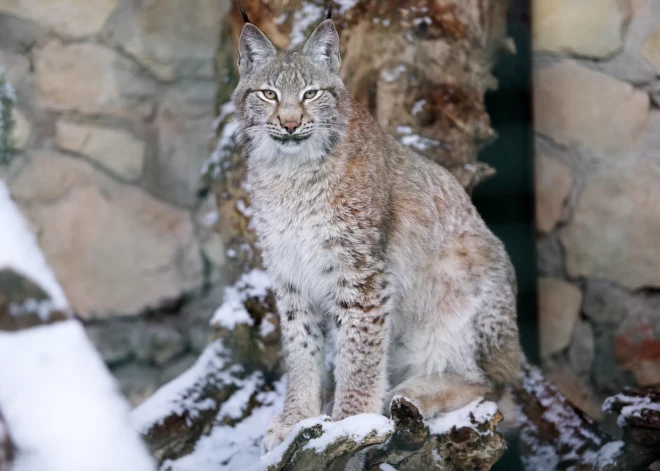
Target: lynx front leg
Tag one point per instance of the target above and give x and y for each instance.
(302, 345)
(361, 315)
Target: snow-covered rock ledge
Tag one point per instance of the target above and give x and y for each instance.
(404, 442)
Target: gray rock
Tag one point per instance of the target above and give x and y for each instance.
(157, 342)
(606, 375)
(582, 347)
(137, 381)
(605, 303)
(112, 339)
(549, 257)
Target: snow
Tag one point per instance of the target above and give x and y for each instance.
(574, 440)
(607, 454)
(181, 395)
(226, 140)
(268, 325)
(387, 467)
(62, 405)
(356, 427)
(392, 75)
(20, 252)
(469, 416)
(306, 16)
(418, 106)
(634, 408)
(254, 283)
(415, 140)
(237, 447)
(345, 5)
(236, 405)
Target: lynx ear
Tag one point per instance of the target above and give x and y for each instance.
(322, 47)
(254, 49)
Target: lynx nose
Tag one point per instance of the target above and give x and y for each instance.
(290, 126)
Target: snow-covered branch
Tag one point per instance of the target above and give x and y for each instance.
(404, 442)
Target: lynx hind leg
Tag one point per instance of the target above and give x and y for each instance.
(435, 395)
(499, 354)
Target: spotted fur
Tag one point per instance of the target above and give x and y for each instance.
(374, 250)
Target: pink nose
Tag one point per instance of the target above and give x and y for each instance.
(290, 126)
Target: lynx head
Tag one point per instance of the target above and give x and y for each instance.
(290, 103)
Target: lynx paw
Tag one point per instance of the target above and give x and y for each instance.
(275, 434)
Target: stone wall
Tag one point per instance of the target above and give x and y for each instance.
(115, 103)
(597, 119)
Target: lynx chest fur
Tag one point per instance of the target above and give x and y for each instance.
(294, 219)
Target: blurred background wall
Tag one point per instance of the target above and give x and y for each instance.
(596, 97)
(115, 104)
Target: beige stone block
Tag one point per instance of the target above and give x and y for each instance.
(614, 233)
(113, 247)
(575, 105)
(591, 28)
(88, 78)
(114, 149)
(69, 18)
(22, 129)
(651, 50)
(559, 306)
(553, 181)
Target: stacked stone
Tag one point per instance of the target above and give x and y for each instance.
(115, 103)
(596, 88)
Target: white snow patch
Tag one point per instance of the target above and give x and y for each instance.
(476, 412)
(235, 406)
(345, 5)
(303, 18)
(268, 325)
(418, 107)
(225, 110)
(244, 209)
(387, 467)
(254, 283)
(179, 396)
(226, 140)
(62, 405)
(424, 20)
(607, 454)
(233, 448)
(634, 408)
(356, 427)
(20, 252)
(392, 75)
(418, 142)
(403, 129)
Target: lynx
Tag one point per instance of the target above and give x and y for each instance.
(377, 254)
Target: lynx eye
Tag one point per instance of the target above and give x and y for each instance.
(269, 94)
(309, 94)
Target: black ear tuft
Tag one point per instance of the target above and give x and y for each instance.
(329, 11)
(243, 12)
